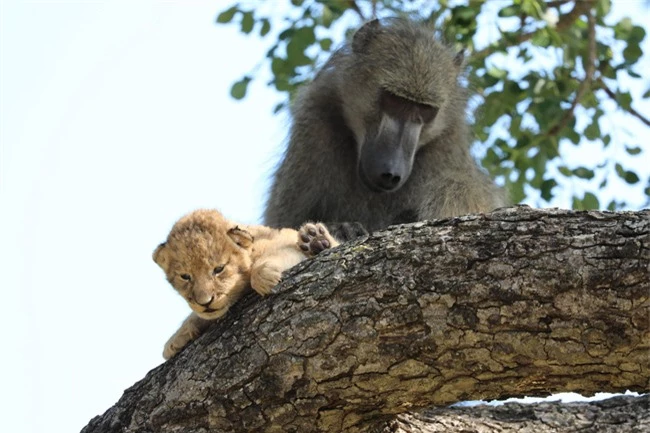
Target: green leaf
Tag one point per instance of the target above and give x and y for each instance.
(572, 135)
(247, 22)
(592, 131)
(266, 27)
(624, 99)
(541, 38)
(227, 15)
(606, 140)
(510, 11)
(282, 84)
(325, 44)
(565, 171)
(603, 7)
(631, 177)
(623, 28)
(627, 175)
(306, 35)
(286, 33)
(532, 8)
(280, 66)
(497, 73)
(238, 90)
(637, 34)
(632, 53)
(278, 107)
(546, 189)
(633, 150)
(327, 16)
(619, 170)
(464, 13)
(583, 173)
(590, 201)
(646, 94)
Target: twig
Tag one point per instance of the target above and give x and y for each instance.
(630, 110)
(352, 4)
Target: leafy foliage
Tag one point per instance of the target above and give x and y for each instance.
(549, 72)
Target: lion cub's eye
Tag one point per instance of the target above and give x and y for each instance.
(186, 277)
(218, 269)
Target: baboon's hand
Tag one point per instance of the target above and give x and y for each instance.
(314, 238)
(347, 231)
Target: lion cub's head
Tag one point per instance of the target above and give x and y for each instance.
(208, 261)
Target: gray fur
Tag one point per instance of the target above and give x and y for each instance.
(338, 114)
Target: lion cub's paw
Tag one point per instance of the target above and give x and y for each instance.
(176, 343)
(314, 238)
(264, 278)
(170, 350)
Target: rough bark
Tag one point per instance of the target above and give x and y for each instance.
(616, 415)
(516, 302)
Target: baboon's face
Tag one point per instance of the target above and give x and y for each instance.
(387, 153)
(396, 94)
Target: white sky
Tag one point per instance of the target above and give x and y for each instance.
(115, 121)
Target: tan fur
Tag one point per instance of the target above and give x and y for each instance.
(211, 262)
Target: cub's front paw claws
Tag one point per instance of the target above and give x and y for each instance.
(169, 351)
(265, 279)
(314, 238)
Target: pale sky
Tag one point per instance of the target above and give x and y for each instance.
(115, 121)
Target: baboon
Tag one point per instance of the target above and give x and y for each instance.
(380, 137)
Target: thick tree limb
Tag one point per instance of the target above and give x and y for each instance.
(480, 307)
(616, 415)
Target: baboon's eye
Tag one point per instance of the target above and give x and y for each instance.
(218, 270)
(402, 108)
(427, 112)
(186, 277)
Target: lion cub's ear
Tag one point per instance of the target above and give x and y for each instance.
(240, 237)
(161, 256)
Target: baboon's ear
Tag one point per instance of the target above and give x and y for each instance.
(364, 35)
(459, 60)
(241, 237)
(161, 256)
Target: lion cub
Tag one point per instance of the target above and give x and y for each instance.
(211, 261)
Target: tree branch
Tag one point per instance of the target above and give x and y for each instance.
(564, 22)
(514, 302)
(622, 414)
(630, 110)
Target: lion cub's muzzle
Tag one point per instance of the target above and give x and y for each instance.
(209, 306)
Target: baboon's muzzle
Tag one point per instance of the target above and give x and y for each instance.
(386, 158)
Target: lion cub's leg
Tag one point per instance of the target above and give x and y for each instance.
(282, 252)
(314, 238)
(265, 275)
(189, 331)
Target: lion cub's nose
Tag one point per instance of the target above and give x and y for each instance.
(203, 302)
